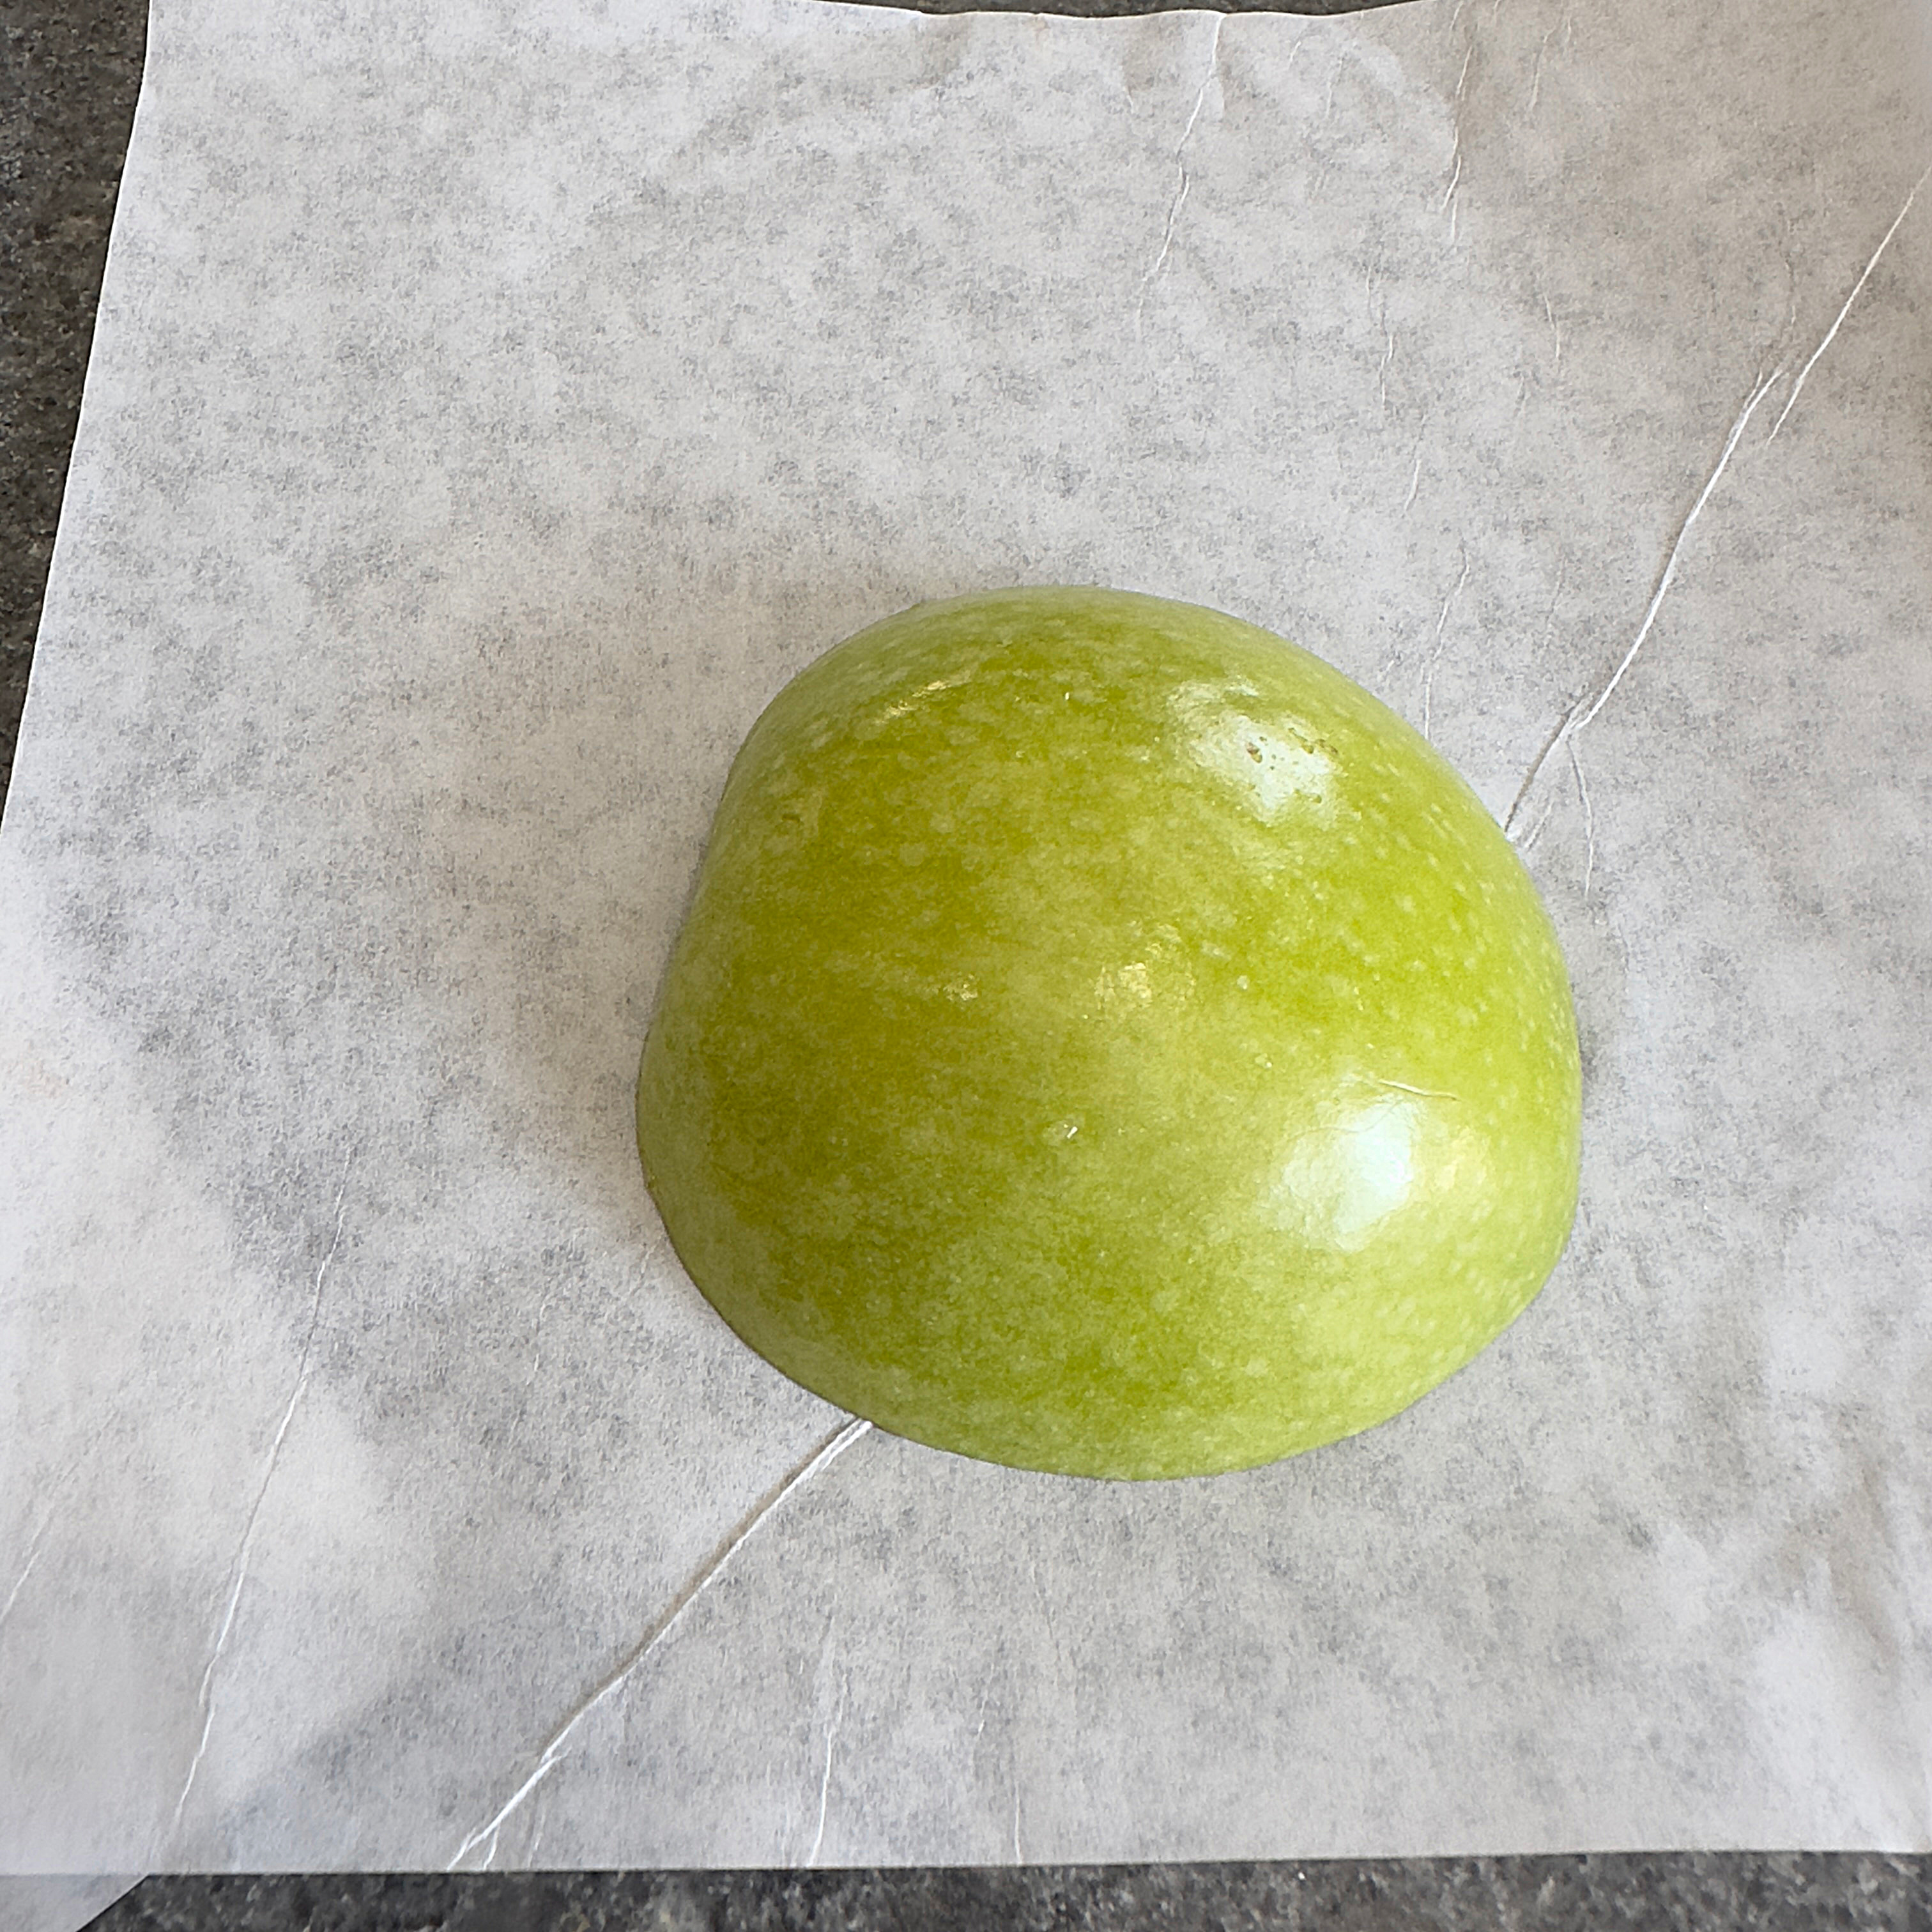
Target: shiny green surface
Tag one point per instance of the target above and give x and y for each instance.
(1106, 1040)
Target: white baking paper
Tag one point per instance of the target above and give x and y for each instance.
(492, 406)
(57, 1904)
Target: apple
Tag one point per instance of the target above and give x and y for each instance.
(1106, 1040)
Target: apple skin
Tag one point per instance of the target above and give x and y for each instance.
(1106, 1040)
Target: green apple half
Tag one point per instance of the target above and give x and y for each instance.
(1106, 1040)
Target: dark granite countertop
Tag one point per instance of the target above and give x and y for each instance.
(70, 70)
(1781, 1893)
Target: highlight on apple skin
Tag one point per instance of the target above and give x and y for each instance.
(1106, 1040)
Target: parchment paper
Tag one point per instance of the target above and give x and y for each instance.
(491, 407)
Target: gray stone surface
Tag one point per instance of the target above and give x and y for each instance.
(1690, 1892)
(69, 72)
